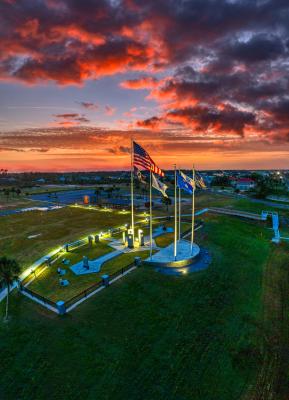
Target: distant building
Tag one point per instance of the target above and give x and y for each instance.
(244, 184)
(40, 180)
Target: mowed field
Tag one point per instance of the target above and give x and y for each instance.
(54, 228)
(16, 202)
(219, 334)
(202, 336)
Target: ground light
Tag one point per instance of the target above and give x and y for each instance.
(124, 212)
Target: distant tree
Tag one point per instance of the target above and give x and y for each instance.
(109, 191)
(97, 193)
(167, 201)
(137, 184)
(263, 189)
(144, 192)
(18, 192)
(7, 193)
(221, 181)
(117, 191)
(9, 272)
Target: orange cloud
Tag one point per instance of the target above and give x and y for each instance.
(145, 82)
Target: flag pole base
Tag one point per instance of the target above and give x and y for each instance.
(164, 261)
(165, 257)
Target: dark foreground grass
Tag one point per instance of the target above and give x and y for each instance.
(148, 336)
(273, 378)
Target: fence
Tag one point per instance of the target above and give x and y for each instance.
(114, 206)
(74, 245)
(37, 296)
(44, 301)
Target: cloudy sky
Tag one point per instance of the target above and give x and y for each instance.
(194, 81)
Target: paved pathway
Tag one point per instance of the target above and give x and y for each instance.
(260, 201)
(5, 213)
(94, 265)
(237, 213)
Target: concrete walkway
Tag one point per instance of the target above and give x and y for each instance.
(118, 245)
(236, 213)
(94, 265)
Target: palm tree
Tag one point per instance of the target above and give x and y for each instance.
(9, 272)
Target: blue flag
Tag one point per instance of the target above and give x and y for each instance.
(185, 182)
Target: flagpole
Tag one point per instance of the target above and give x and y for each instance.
(175, 243)
(131, 194)
(180, 213)
(151, 218)
(193, 211)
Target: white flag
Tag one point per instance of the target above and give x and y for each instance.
(200, 181)
(159, 185)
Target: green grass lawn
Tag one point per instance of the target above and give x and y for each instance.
(247, 205)
(149, 336)
(167, 238)
(47, 283)
(67, 224)
(15, 202)
(55, 228)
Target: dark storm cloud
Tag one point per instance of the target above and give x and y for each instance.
(71, 41)
(202, 119)
(259, 48)
(229, 58)
(227, 120)
(280, 110)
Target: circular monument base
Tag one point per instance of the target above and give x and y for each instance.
(188, 259)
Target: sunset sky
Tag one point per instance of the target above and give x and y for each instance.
(193, 81)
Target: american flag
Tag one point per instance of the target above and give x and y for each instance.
(142, 159)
